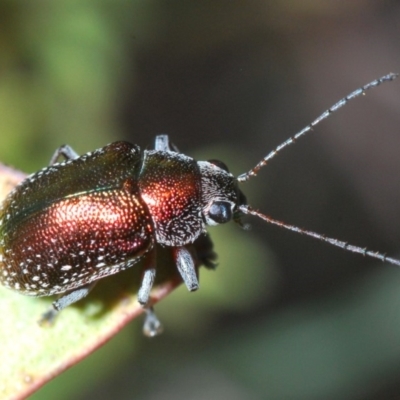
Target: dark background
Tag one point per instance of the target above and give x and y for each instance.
(283, 317)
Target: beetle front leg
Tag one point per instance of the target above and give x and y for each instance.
(205, 253)
(67, 151)
(186, 267)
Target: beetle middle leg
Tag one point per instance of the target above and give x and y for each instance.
(148, 278)
(66, 151)
(152, 325)
(162, 143)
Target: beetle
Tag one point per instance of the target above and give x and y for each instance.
(77, 221)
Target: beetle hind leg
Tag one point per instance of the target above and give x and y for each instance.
(65, 300)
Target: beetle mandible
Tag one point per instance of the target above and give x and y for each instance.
(75, 222)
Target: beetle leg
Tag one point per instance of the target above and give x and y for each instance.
(148, 278)
(152, 325)
(66, 151)
(162, 143)
(186, 267)
(205, 253)
(48, 317)
(64, 301)
(73, 296)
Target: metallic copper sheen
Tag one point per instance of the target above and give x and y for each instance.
(170, 184)
(89, 223)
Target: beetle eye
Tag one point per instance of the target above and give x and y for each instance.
(219, 164)
(220, 212)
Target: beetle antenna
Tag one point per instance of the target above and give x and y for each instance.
(253, 172)
(245, 209)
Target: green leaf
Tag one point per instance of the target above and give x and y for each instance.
(32, 354)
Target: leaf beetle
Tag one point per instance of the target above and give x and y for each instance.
(75, 222)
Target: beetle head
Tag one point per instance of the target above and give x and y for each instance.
(221, 196)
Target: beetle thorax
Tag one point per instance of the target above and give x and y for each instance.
(170, 185)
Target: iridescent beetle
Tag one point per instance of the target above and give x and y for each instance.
(91, 216)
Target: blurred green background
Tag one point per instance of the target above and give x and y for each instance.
(283, 317)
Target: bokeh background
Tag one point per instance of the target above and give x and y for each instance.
(283, 317)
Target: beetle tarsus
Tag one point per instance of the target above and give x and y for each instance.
(152, 325)
(48, 318)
